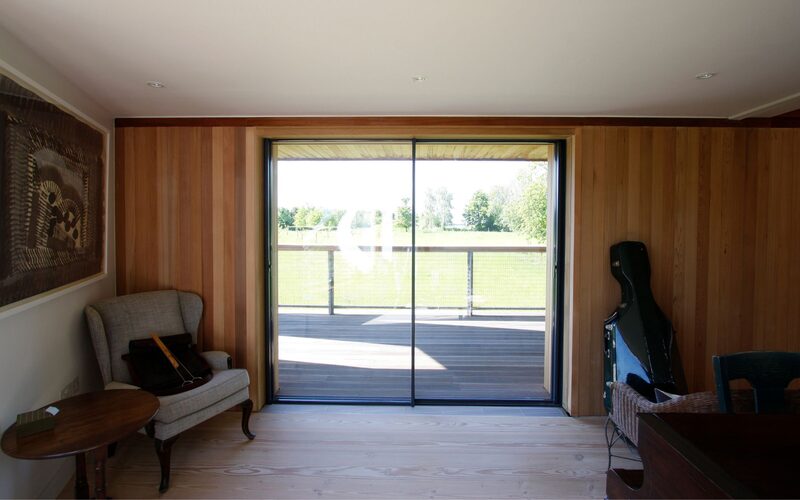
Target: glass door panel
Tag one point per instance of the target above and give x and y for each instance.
(483, 274)
(343, 269)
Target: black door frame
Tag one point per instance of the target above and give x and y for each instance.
(557, 291)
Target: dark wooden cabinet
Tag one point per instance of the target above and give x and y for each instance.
(713, 456)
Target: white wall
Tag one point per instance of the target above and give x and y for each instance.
(46, 346)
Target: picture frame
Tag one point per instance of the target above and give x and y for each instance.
(53, 195)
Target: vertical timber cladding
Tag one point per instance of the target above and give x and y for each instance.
(189, 217)
(717, 208)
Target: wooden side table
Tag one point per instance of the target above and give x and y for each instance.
(88, 423)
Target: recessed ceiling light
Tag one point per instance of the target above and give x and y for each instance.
(155, 84)
(418, 78)
(705, 76)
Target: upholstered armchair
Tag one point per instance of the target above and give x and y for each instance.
(113, 323)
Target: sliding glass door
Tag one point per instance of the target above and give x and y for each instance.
(481, 274)
(415, 271)
(343, 271)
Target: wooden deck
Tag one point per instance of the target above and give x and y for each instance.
(368, 356)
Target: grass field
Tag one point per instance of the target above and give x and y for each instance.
(505, 280)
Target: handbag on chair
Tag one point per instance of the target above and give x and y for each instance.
(162, 373)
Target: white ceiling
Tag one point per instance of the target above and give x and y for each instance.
(480, 57)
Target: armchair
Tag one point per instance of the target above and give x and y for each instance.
(114, 322)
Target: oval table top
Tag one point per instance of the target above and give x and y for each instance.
(84, 423)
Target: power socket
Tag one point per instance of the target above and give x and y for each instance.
(71, 389)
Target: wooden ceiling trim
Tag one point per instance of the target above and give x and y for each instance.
(451, 122)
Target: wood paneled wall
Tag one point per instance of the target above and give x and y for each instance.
(189, 215)
(718, 207)
(719, 210)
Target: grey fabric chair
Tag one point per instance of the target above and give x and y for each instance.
(115, 322)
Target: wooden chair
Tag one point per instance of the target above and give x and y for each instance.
(769, 373)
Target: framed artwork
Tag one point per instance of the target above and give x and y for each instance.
(52, 195)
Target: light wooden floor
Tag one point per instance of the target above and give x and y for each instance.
(368, 356)
(311, 452)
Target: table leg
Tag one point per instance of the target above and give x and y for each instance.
(100, 455)
(81, 485)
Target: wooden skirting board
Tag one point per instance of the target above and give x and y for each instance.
(789, 121)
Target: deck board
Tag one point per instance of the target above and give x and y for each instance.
(368, 356)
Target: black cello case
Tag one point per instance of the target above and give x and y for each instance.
(640, 347)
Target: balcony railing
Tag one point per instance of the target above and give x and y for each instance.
(469, 287)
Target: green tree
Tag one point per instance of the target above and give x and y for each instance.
(313, 217)
(403, 218)
(484, 212)
(308, 217)
(438, 209)
(300, 217)
(527, 214)
(476, 213)
(332, 218)
(286, 217)
(499, 199)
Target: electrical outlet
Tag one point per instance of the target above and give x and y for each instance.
(71, 389)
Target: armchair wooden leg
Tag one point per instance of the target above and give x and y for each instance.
(247, 409)
(164, 452)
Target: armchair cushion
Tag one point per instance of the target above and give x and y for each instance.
(136, 316)
(191, 310)
(99, 342)
(166, 431)
(217, 360)
(224, 384)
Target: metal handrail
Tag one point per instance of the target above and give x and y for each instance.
(469, 250)
(406, 248)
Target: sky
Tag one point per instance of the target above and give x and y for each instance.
(381, 185)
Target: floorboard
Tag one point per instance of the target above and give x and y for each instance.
(306, 452)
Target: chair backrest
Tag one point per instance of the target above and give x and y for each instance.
(114, 322)
(769, 373)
